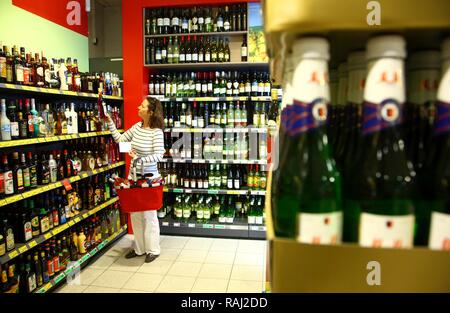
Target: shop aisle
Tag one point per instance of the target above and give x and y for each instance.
(186, 264)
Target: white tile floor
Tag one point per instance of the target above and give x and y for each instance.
(186, 264)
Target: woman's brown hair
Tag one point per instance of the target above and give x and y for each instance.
(157, 119)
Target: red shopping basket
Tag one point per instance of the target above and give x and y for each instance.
(140, 199)
(139, 195)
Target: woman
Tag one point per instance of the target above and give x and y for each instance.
(147, 147)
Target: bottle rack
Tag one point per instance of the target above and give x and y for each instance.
(233, 33)
(22, 248)
(210, 99)
(239, 229)
(82, 262)
(296, 267)
(33, 141)
(242, 192)
(345, 24)
(209, 65)
(235, 41)
(42, 189)
(48, 91)
(204, 161)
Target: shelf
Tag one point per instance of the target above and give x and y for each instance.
(239, 229)
(22, 248)
(48, 91)
(234, 33)
(210, 99)
(345, 24)
(32, 141)
(203, 161)
(39, 190)
(216, 191)
(209, 65)
(81, 262)
(216, 130)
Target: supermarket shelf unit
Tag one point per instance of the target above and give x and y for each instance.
(295, 267)
(239, 229)
(20, 248)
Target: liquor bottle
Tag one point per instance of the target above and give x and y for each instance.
(34, 120)
(8, 233)
(432, 213)
(8, 177)
(220, 20)
(2, 65)
(383, 211)
(43, 173)
(32, 165)
(9, 66)
(18, 67)
(170, 51)
(176, 51)
(52, 167)
(305, 141)
(17, 174)
(5, 122)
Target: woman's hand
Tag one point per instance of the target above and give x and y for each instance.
(107, 117)
(132, 153)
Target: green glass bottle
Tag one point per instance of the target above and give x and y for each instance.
(306, 186)
(433, 214)
(384, 184)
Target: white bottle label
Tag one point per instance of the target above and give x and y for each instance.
(182, 58)
(158, 56)
(166, 21)
(252, 219)
(207, 57)
(9, 183)
(200, 214)
(15, 129)
(194, 57)
(188, 57)
(259, 220)
(384, 231)
(320, 228)
(164, 53)
(439, 231)
(244, 51)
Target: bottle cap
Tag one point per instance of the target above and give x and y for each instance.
(446, 49)
(429, 59)
(392, 46)
(356, 60)
(311, 48)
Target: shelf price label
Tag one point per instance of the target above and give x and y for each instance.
(3, 202)
(13, 254)
(165, 223)
(176, 224)
(47, 235)
(208, 226)
(23, 249)
(32, 244)
(218, 226)
(191, 225)
(59, 278)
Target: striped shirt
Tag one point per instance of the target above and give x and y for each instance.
(148, 143)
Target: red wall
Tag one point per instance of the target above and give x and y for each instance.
(135, 75)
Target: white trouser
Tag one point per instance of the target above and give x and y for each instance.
(146, 232)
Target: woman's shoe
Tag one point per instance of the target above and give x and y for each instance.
(150, 257)
(131, 255)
